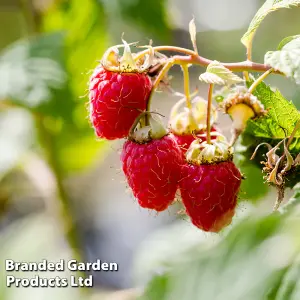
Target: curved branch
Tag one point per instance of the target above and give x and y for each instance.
(190, 57)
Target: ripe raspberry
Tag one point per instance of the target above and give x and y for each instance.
(116, 100)
(209, 193)
(153, 171)
(184, 140)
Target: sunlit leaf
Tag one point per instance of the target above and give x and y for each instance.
(268, 7)
(287, 59)
(218, 74)
(281, 118)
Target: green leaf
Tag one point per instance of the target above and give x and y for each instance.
(268, 7)
(229, 269)
(281, 118)
(157, 288)
(289, 282)
(218, 74)
(287, 59)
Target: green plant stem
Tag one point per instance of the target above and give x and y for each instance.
(186, 79)
(259, 80)
(156, 83)
(191, 58)
(209, 104)
(249, 50)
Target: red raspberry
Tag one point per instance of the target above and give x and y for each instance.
(209, 193)
(184, 140)
(116, 100)
(153, 171)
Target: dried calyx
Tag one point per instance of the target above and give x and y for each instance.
(190, 120)
(126, 63)
(276, 167)
(141, 133)
(203, 153)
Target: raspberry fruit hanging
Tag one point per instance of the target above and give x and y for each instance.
(151, 162)
(119, 90)
(210, 184)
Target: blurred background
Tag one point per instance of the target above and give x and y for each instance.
(59, 184)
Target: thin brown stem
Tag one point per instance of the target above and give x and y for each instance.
(190, 57)
(209, 104)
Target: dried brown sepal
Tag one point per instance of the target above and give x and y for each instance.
(276, 168)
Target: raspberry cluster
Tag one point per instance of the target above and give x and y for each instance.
(158, 162)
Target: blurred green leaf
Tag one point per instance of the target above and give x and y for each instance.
(287, 40)
(16, 137)
(156, 289)
(73, 144)
(268, 7)
(151, 17)
(292, 203)
(253, 178)
(229, 270)
(286, 60)
(289, 282)
(86, 37)
(31, 69)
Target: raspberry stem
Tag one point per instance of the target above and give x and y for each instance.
(157, 81)
(209, 104)
(192, 58)
(259, 80)
(186, 79)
